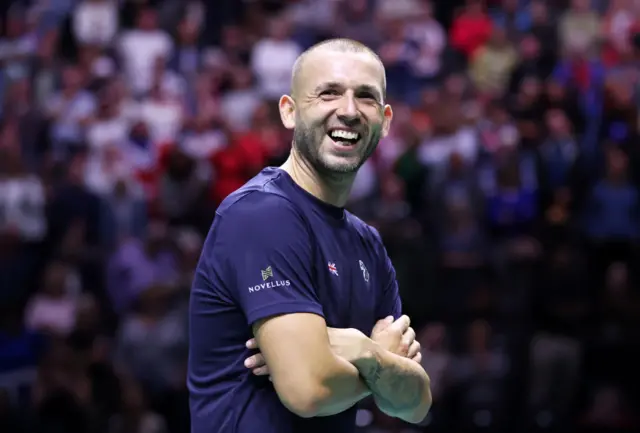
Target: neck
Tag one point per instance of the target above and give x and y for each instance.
(333, 190)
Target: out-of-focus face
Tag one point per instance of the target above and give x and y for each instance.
(337, 112)
(539, 12)
(580, 5)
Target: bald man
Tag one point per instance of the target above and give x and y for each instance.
(295, 313)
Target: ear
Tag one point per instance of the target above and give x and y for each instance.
(387, 112)
(287, 107)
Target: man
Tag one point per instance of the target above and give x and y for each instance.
(286, 264)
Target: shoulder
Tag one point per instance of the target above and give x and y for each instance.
(258, 209)
(261, 199)
(262, 212)
(367, 233)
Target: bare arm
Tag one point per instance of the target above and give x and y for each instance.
(400, 386)
(309, 378)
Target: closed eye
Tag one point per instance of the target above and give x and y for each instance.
(329, 92)
(367, 96)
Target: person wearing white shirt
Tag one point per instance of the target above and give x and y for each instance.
(272, 60)
(140, 48)
(95, 22)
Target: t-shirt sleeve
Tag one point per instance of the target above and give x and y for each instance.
(389, 303)
(267, 250)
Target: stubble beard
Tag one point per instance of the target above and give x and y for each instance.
(308, 146)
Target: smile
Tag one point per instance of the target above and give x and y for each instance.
(344, 137)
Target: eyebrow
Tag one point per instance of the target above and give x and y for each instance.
(362, 88)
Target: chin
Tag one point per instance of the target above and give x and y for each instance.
(341, 164)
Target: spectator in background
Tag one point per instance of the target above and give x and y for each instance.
(618, 23)
(482, 367)
(559, 154)
(23, 223)
(492, 65)
(354, 23)
(532, 63)
(544, 28)
(53, 308)
(95, 22)
(430, 40)
(140, 48)
(613, 204)
(17, 46)
(272, 60)
(513, 16)
(151, 342)
(396, 53)
(69, 112)
(240, 102)
(471, 28)
(138, 264)
(30, 122)
(187, 56)
(162, 115)
(183, 189)
(579, 27)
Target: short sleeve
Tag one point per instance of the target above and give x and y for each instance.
(389, 303)
(266, 249)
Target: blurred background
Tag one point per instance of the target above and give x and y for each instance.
(507, 194)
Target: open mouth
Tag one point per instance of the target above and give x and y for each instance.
(344, 138)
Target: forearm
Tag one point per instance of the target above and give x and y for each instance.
(341, 389)
(400, 386)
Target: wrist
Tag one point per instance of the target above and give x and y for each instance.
(368, 354)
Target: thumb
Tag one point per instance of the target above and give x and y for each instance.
(402, 324)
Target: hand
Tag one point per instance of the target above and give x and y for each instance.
(256, 362)
(397, 337)
(346, 343)
(349, 344)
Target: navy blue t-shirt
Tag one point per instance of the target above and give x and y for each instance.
(275, 249)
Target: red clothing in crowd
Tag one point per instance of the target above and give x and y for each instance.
(470, 31)
(236, 164)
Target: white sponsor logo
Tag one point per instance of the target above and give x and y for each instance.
(365, 272)
(269, 285)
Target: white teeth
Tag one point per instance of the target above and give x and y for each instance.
(338, 133)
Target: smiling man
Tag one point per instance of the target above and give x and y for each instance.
(292, 286)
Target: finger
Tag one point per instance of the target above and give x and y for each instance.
(402, 324)
(414, 349)
(418, 358)
(252, 344)
(261, 371)
(255, 361)
(409, 336)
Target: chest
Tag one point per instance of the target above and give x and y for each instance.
(347, 281)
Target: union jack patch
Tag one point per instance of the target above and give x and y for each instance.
(333, 269)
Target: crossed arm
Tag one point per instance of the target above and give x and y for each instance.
(312, 380)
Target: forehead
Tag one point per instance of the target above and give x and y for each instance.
(351, 70)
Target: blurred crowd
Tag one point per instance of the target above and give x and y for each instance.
(508, 195)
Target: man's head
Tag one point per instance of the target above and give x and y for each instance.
(336, 107)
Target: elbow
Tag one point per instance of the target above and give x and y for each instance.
(303, 408)
(420, 412)
(303, 398)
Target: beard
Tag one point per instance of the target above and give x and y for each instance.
(308, 144)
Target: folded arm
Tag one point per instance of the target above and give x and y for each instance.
(400, 386)
(309, 378)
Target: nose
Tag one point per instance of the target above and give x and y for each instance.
(348, 111)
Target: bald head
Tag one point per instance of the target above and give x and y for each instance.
(331, 46)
